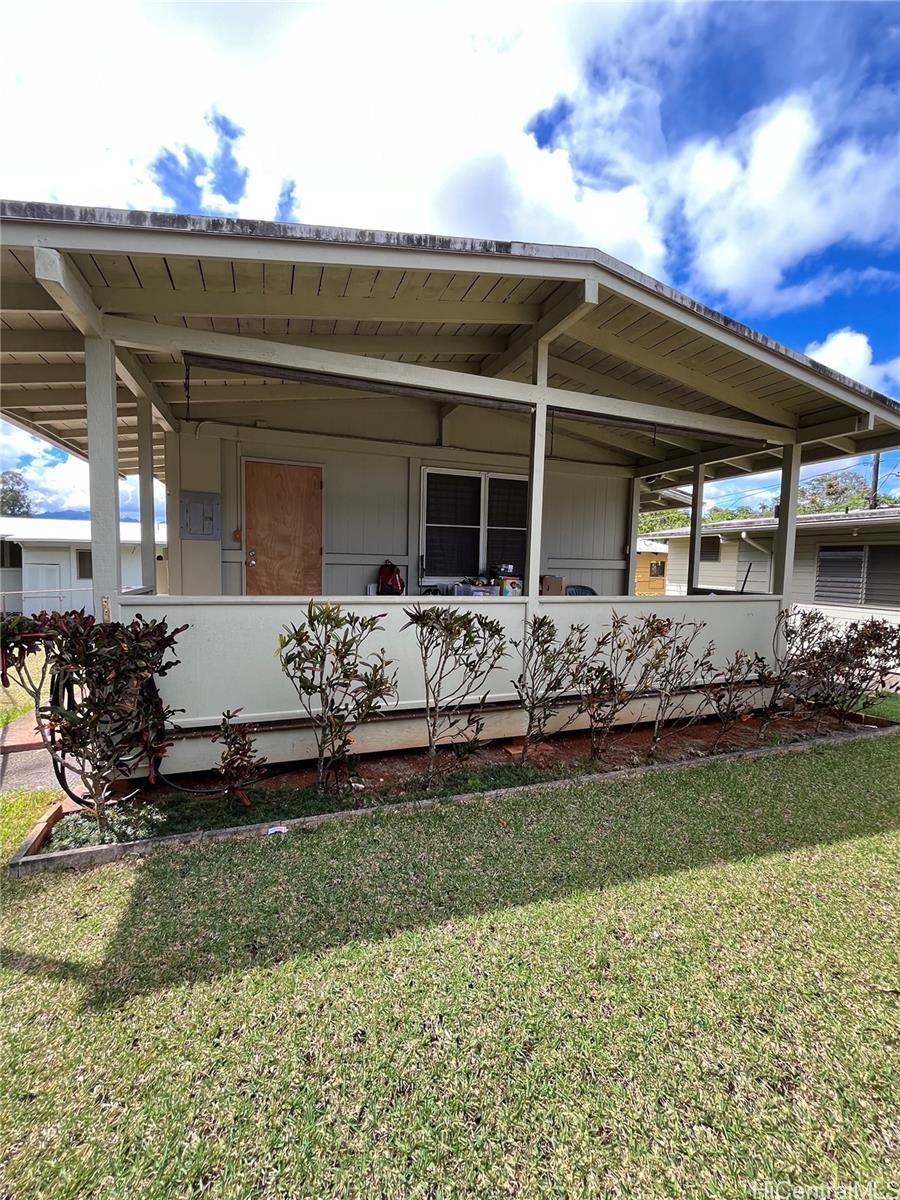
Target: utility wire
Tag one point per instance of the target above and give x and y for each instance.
(808, 479)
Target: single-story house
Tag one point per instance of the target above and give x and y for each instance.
(47, 562)
(652, 567)
(846, 563)
(318, 400)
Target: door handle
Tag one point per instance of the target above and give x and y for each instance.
(251, 558)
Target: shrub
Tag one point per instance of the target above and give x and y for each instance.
(459, 650)
(337, 687)
(550, 673)
(620, 667)
(824, 666)
(798, 633)
(105, 715)
(850, 664)
(678, 668)
(239, 764)
(733, 690)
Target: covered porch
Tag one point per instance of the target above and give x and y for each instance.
(320, 401)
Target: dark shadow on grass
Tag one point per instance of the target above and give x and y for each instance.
(202, 913)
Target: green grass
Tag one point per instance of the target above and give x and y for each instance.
(887, 705)
(19, 809)
(661, 987)
(14, 702)
(179, 813)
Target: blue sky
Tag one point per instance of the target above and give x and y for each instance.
(745, 152)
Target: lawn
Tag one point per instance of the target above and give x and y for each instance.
(14, 702)
(887, 705)
(668, 986)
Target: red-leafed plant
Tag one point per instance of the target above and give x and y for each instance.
(105, 715)
(239, 764)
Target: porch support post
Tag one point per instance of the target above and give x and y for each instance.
(634, 510)
(145, 480)
(536, 482)
(100, 385)
(693, 581)
(173, 512)
(786, 533)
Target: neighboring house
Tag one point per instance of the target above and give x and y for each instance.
(847, 564)
(47, 563)
(320, 400)
(652, 566)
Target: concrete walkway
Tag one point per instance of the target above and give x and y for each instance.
(24, 763)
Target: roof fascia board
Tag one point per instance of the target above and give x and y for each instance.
(66, 227)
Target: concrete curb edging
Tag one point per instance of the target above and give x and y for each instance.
(26, 860)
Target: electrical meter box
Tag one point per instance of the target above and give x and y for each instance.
(201, 516)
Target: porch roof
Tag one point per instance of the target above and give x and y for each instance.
(694, 386)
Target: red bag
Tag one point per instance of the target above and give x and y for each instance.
(390, 581)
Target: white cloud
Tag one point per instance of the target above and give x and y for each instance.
(850, 352)
(413, 117)
(377, 114)
(61, 485)
(777, 191)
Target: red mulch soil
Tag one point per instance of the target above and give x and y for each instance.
(627, 747)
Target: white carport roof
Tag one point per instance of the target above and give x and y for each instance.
(857, 519)
(692, 386)
(53, 531)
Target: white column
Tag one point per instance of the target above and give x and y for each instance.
(173, 512)
(100, 384)
(145, 479)
(536, 483)
(693, 580)
(631, 535)
(786, 534)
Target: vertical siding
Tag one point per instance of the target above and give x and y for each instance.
(584, 529)
(734, 557)
(760, 564)
(369, 516)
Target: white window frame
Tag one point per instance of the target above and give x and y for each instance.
(485, 477)
(79, 550)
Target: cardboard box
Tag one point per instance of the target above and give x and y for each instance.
(553, 585)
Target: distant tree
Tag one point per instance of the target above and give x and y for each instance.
(652, 522)
(830, 492)
(743, 512)
(835, 491)
(15, 500)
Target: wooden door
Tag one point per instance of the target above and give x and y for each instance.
(282, 529)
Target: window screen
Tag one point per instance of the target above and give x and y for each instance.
(710, 549)
(85, 565)
(882, 588)
(657, 568)
(473, 522)
(839, 574)
(452, 524)
(507, 520)
(10, 554)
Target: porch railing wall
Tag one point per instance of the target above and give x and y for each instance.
(228, 658)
